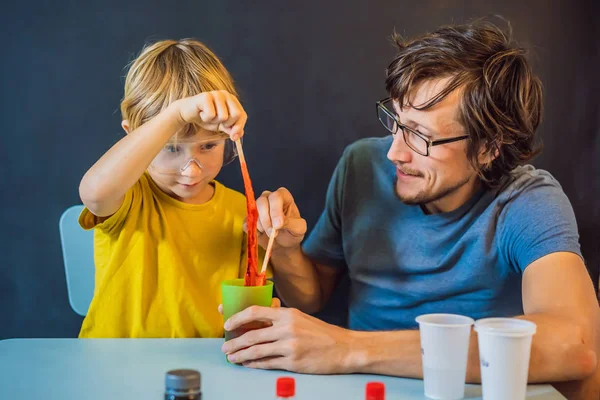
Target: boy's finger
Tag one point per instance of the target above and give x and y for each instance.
(236, 111)
(237, 130)
(237, 117)
(207, 109)
(221, 108)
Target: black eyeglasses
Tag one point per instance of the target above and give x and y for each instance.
(414, 139)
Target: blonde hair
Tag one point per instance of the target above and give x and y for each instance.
(169, 70)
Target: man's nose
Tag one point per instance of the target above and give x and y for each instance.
(399, 150)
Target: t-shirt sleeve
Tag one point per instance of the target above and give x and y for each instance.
(325, 243)
(133, 199)
(537, 220)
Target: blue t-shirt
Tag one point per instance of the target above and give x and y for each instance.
(403, 263)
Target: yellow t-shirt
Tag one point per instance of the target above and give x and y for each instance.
(160, 262)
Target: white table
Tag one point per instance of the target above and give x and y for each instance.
(107, 369)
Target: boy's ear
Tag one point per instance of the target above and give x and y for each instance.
(125, 125)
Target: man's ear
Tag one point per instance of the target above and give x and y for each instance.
(487, 154)
(125, 125)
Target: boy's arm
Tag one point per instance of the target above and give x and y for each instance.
(103, 187)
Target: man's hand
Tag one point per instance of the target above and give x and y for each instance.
(277, 210)
(294, 341)
(300, 282)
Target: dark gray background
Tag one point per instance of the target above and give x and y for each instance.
(308, 72)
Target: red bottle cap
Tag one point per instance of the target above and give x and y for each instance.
(286, 387)
(375, 391)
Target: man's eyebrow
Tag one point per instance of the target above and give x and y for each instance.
(428, 129)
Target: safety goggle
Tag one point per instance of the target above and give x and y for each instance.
(177, 155)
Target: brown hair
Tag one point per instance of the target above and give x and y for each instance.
(501, 102)
(169, 70)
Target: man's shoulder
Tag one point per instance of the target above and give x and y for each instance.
(529, 182)
(531, 195)
(535, 217)
(367, 152)
(369, 146)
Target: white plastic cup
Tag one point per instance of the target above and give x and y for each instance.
(444, 348)
(504, 349)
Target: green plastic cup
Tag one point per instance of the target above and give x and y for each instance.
(237, 297)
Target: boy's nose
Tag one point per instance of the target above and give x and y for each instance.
(191, 168)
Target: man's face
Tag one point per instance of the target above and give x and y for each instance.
(445, 179)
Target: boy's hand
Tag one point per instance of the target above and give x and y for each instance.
(214, 111)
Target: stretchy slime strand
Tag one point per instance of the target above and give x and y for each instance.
(252, 276)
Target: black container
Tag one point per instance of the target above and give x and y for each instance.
(182, 384)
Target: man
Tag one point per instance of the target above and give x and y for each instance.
(452, 221)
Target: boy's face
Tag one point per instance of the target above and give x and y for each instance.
(185, 166)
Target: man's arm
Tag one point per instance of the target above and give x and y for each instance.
(558, 288)
(300, 282)
(558, 297)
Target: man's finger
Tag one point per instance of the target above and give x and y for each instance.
(259, 226)
(220, 308)
(251, 314)
(295, 226)
(252, 338)
(276, 209)
(277, 362)
(262, 204)
(257, 352)
(263, 239)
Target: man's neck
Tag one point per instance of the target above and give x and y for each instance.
(455, 199)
